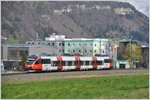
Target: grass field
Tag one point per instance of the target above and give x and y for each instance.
(135, 86)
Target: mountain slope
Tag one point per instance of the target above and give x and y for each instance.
(22, 20)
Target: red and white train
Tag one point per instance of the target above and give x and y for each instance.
(55, 63)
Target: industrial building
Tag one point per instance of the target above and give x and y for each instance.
(12, 54)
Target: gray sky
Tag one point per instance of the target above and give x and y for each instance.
(140, 5)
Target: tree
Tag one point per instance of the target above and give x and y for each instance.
(23, 60)
(133, 53)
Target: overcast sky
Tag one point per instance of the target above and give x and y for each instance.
(140, 5)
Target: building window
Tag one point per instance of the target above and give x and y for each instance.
(95, 50)
(29, 43)
(59, 44)
(79, 44)
(85, 51)
(95, 44)
(53, 44)
(91, 51)
(62, 44)
(68, 44)
(102, 51)
(73, 44)
(49, 44)
(33, 43)
(60, 50)
(91, 44)
(68, 50)
(73, 50)
(38, 43)
(79, 50)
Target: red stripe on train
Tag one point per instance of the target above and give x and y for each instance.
(94, 58)
(77, 59)
(59, 67)
(111, 63)
(59, 58)
(78, 67)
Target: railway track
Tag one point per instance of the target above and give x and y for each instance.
(70, 74)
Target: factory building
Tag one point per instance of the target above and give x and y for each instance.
(12, 54)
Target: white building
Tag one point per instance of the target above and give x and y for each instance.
(84, 46)
(55, 37)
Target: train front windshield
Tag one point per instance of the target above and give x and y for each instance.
(29, 62)
(31, 59)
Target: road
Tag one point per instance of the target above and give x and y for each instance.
(70, 74)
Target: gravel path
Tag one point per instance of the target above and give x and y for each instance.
(71, 74)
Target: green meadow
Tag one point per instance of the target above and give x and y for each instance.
(116, 87)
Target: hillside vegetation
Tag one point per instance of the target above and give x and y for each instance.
(87, 19)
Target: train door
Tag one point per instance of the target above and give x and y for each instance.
(46, 64)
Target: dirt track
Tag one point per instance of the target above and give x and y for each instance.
(71, 74)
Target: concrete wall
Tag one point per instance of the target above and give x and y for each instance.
(123, 62)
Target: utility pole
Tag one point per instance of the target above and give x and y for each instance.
(131, 49)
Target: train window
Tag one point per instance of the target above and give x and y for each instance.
(99, 62)
(78, 63)
(30, 61)
(69, 63)
(46, 61)
(56, 63)
(38, 62)
(63, 63)
(86, 62)
(59, 63)
(93, 62)
(108, 60)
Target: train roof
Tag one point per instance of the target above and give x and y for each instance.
(73, 58)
